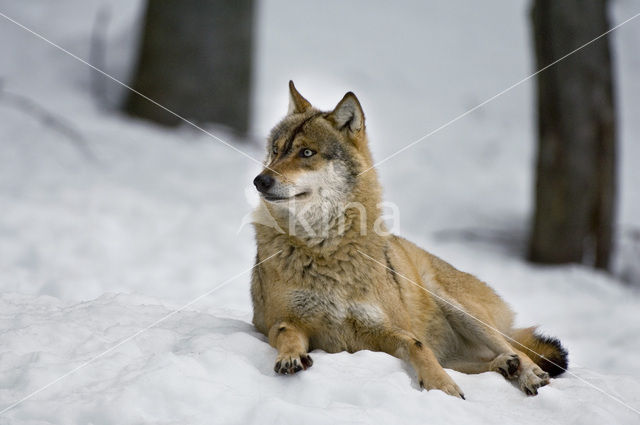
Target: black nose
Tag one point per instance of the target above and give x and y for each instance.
(263, 182)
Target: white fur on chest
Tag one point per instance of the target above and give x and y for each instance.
(332, 309)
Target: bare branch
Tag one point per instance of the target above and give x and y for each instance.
(48, 119)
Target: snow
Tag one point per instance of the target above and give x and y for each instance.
(199, 367)
(97, 255)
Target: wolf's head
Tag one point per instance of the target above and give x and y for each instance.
(314, 160)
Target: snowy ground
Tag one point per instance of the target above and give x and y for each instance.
(93, 253)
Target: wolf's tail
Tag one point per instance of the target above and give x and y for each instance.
(554, 358)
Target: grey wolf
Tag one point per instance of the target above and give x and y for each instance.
(336, 283)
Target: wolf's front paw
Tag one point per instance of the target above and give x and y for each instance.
(531, 379)
(288, 363)
(507, 365)
(444, 383)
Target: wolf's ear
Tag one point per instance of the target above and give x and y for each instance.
(348, 114)
(297, 103)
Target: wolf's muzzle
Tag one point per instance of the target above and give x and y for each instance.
(263, 182)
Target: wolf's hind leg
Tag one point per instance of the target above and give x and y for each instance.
(474, 323)
(468, 366)
(292, 345)
(505, 364)
(506, 361)
(531, 377)
(480, 330)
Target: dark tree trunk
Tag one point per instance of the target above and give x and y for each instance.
(575, 187)
(195, 59)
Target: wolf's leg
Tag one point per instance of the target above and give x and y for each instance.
(431, 375)
(292, 345)
(516, 366)
(477, 327)
(505, 364)
(468, 366)
(507, 361)
(531, 377)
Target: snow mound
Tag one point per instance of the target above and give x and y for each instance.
(210, 368)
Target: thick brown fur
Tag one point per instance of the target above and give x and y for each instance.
(547, 352)
(330, 277)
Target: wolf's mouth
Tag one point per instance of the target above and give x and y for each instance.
(275, 198)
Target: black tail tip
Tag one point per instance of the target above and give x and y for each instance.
(556, 361)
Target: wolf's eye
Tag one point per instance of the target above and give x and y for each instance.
(274, 149)
(306, 153)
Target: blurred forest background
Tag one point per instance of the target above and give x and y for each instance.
(223, 65)
(196, 60)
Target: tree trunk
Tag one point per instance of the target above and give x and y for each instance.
(575, 187)
(195, 60)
